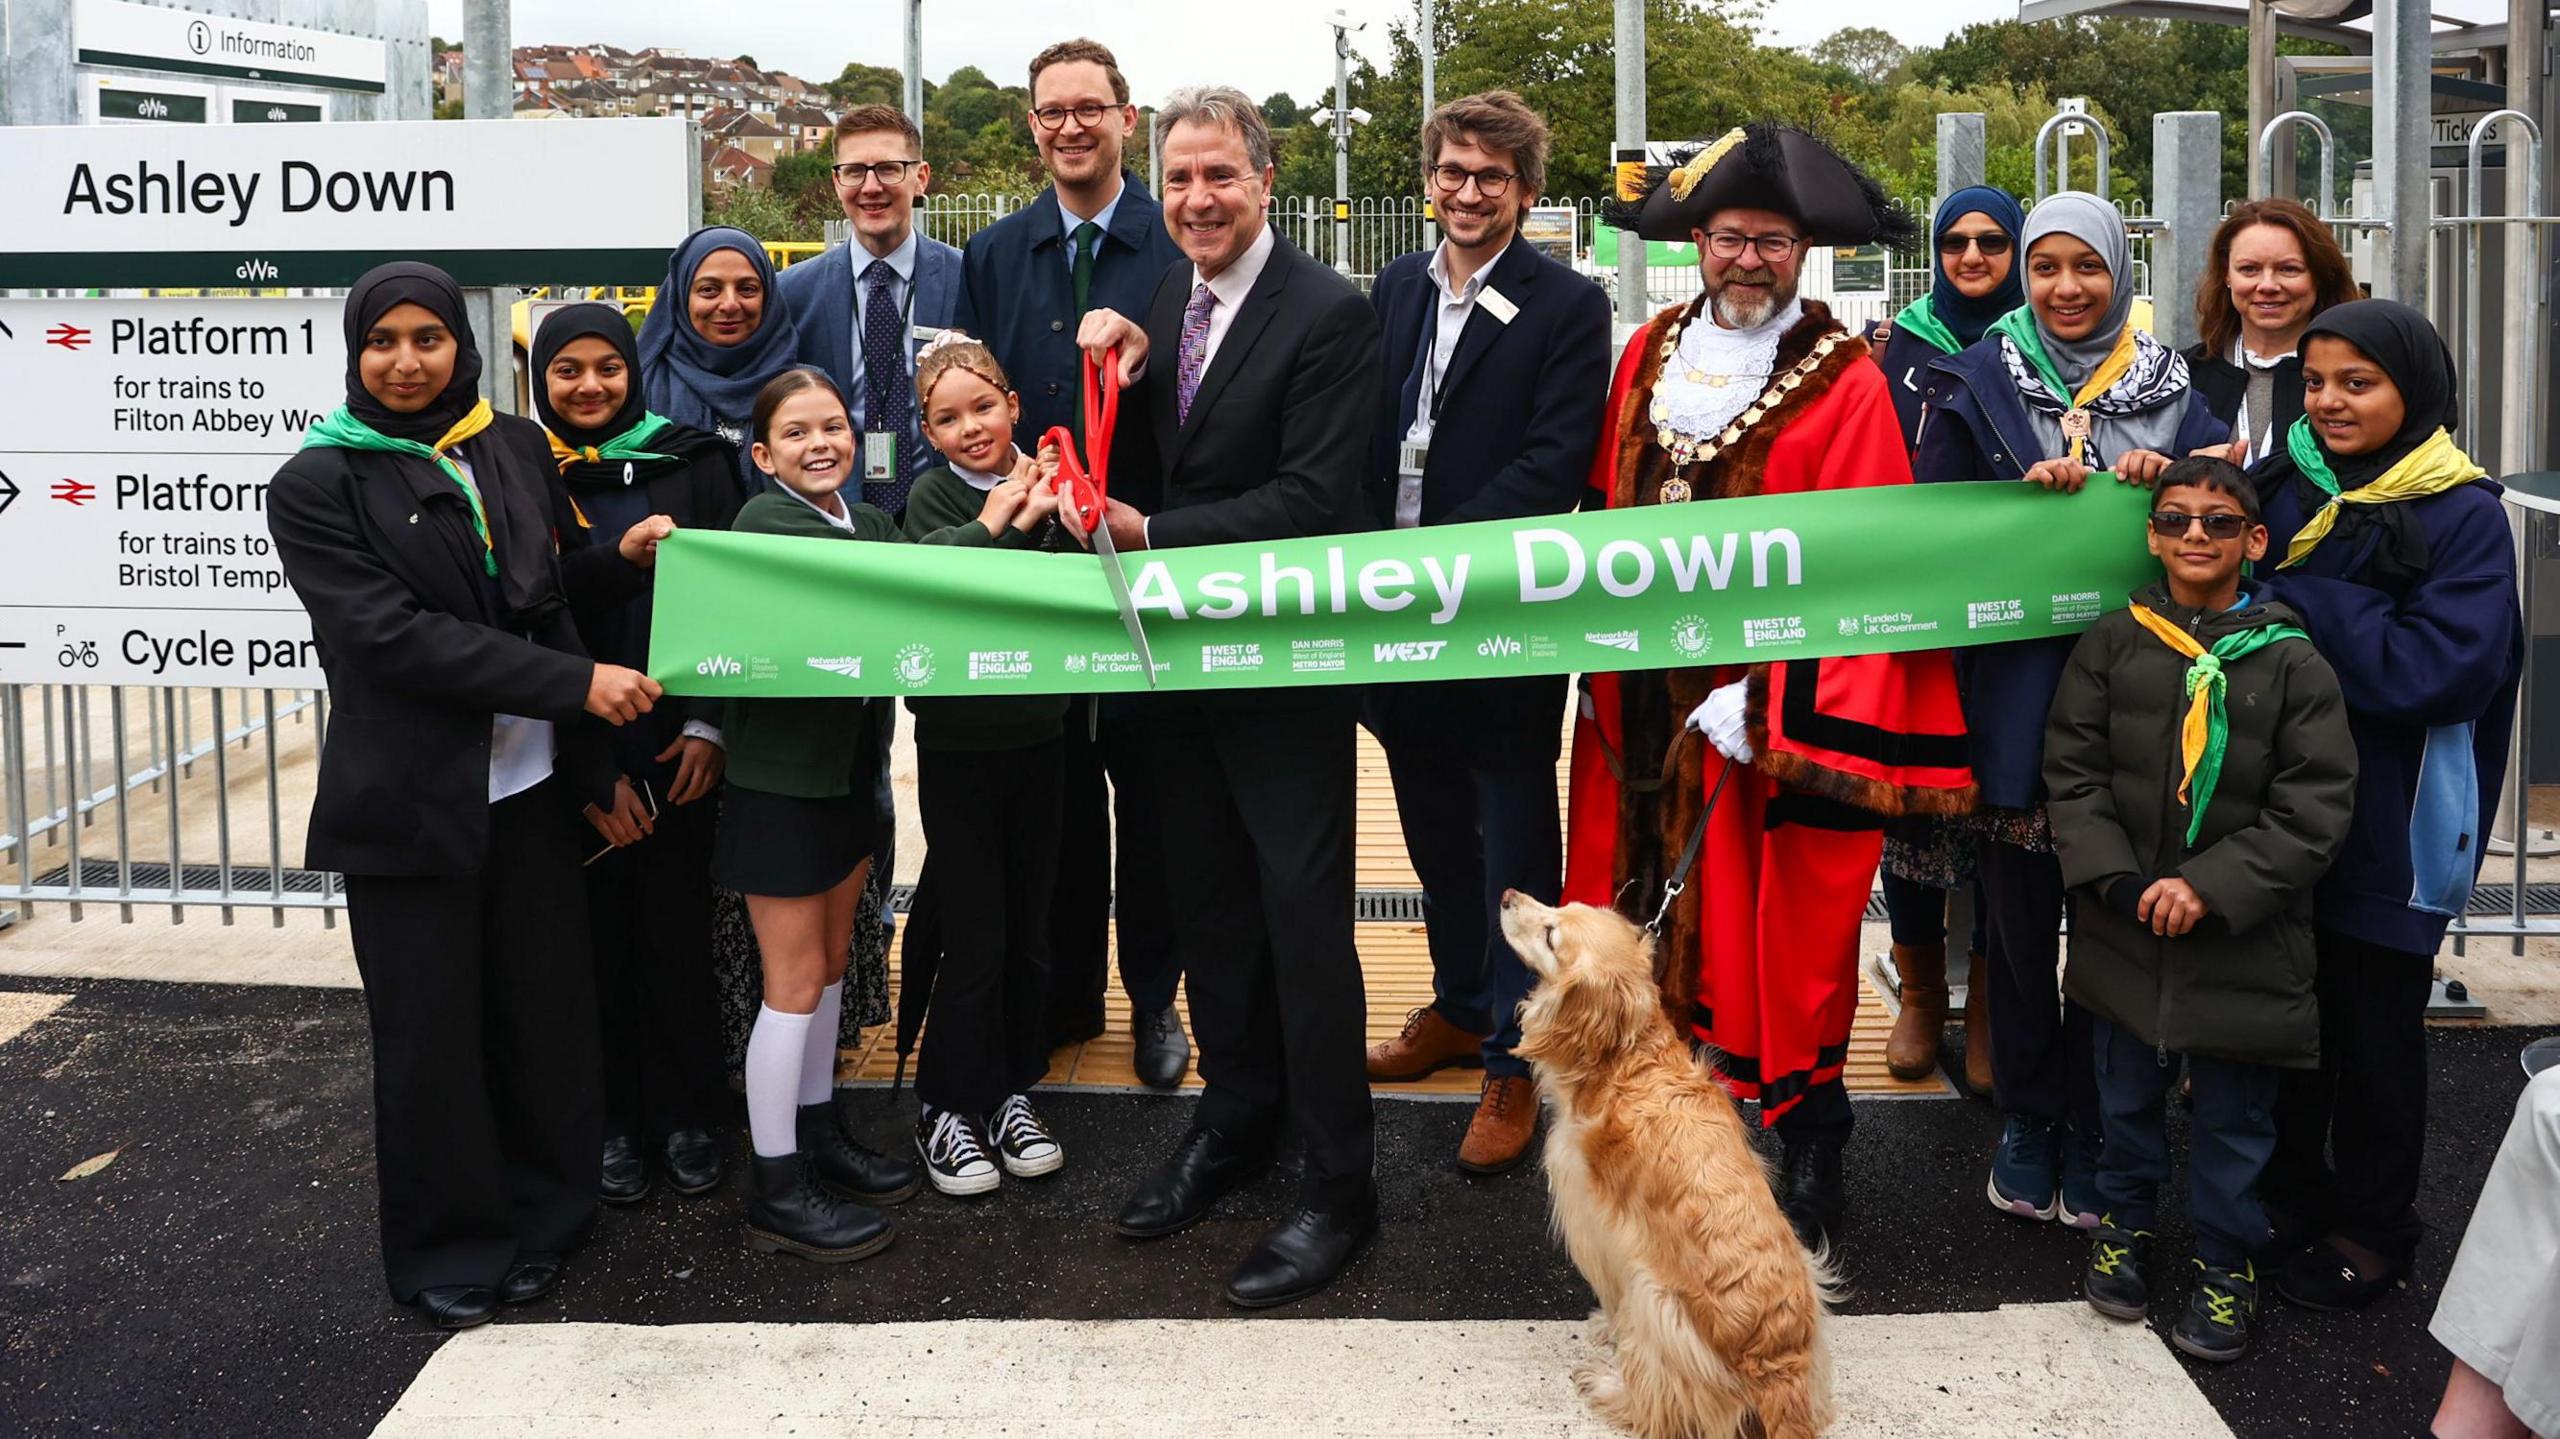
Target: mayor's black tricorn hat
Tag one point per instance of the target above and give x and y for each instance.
(1763, 166)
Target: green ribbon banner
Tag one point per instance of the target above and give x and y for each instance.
(1742, 581)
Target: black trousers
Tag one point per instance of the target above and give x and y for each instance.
(1106, 778)
(2350, 1135)
(1471, 834)
(991, 821)
(486, 1120)
(1258, 824)
(649, 923)
(2043, 1065)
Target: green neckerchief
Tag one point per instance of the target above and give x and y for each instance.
(2206, 731)
(2020, 326)
(625, 446)
(2436, 465)
(1920, 317)
(341, 430)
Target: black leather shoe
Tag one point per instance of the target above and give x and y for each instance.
(626, 1177)
(853, 1170)
(1306, 1253)
(1811, 1193)
(692, 1158)
(1180, 1193)
(791, 1213)
(458, 1306)
(1163, 1051)
(533, 1275)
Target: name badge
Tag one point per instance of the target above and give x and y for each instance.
(1410, 460)
(1497, 304)
(926, 335)
(879, 456)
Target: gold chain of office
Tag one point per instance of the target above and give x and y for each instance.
(1686, 449)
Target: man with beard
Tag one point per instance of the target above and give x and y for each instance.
(1748, 390)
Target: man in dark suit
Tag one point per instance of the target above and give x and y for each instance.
(860, 306)
(1255, 399)
(1497, 366)
(1094, 240)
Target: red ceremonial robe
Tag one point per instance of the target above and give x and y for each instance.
(1760, 955)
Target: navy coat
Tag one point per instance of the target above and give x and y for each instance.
(1975, 428)
(1520, 412)
(1018, 295)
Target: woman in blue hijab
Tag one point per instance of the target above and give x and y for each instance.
(717, 333)
(1977, 281)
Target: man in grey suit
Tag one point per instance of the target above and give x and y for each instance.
(862, 308)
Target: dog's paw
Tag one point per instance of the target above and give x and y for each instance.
(1598, 1383)
(1600, 1332)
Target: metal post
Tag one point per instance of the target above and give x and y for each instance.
(915, 62)
(2402, 47)
(1633, 304)
(1964, 153)
(2520, 430)
(1430, 71)
(2186, 183)
(1155, 159)
(488, 93)
(2263, 179)
(1341, 143)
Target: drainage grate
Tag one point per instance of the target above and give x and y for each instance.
(1383, 905)
(246, 879)
(2487, 899)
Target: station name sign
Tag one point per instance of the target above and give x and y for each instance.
(185, 42)
(318, 205)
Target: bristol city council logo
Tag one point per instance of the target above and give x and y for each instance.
(1689, 636)
(915, 666)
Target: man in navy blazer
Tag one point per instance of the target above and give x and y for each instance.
(1094, 240)
(1496, 371)
(881, 294)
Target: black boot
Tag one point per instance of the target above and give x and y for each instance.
(1810, 1186)
(851, 1169)
(790, 1212)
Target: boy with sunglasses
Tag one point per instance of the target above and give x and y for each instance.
(2202, 777)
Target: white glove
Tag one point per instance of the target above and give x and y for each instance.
(1720, 718)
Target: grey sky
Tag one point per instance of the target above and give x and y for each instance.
(1261, 46)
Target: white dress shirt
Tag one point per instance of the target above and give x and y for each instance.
(902, 268)
(520, 748)
(1230, 287)
(1449, 320)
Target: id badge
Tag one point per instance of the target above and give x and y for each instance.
(879, 456)
(1410, 460)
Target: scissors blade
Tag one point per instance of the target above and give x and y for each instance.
(1110, 557)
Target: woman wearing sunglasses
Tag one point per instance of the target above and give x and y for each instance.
(2053, 393)
(1976, 282)
(2275, 267)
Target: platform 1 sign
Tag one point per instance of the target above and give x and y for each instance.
(135, 206)
(141, 435)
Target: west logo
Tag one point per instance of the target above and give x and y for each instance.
(1407, 651)
(719, 665)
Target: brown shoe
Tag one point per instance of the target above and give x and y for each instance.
(1977, 1028)
(1911, 1051)
(1428, 1045)
(1498, 1137)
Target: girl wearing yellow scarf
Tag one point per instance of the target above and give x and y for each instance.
(2395, 550)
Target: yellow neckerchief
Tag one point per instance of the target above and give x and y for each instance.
(2430, 469)
(2206, 731)
(2020, 326)
(480, 417)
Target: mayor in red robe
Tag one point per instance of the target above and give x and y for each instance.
(1748, 390)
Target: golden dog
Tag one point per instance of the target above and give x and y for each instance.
(1712, 1313)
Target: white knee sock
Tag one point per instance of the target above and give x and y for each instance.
(818, 1062)
(774, 1050)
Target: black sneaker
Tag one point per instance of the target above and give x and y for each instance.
(1024, 1144)
(2215, 1327)
(955, 1157)
(2113, 1282)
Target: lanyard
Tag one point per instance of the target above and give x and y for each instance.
(1427, 363)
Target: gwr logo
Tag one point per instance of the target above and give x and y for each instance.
(719, 665)
(1499, 647)
(1406, 651)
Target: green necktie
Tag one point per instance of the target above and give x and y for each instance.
(1087, 235)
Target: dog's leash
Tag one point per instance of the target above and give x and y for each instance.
(1678, 884)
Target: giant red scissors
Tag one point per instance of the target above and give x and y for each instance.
(1083, 486)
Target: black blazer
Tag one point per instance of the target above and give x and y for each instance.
(2224, 385)
(1520, 414)
(381, 550)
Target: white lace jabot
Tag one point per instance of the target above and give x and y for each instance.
(1717, 373)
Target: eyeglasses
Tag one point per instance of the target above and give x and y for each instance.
(1994, 243)
(1054, 117)
(1489, 183)
(1729, 245)
(891, 172)
(2173, 525)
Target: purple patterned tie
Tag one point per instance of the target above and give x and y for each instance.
(1195, 350)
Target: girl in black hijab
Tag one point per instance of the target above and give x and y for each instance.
(417, 526)
(2395, 548)
(648, 904)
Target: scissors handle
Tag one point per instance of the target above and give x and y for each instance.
(1083, 481)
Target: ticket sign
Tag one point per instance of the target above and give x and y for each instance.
(133, 206)
(133, 521)
(188, 42)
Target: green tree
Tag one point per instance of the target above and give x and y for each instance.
(748, 61)
(757, 211)
(1869, 57)
(802, 184)
(449, 110)
(1280, 112)
(862, 84)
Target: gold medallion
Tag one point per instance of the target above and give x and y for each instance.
(1675, 491)
(2075, 425)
